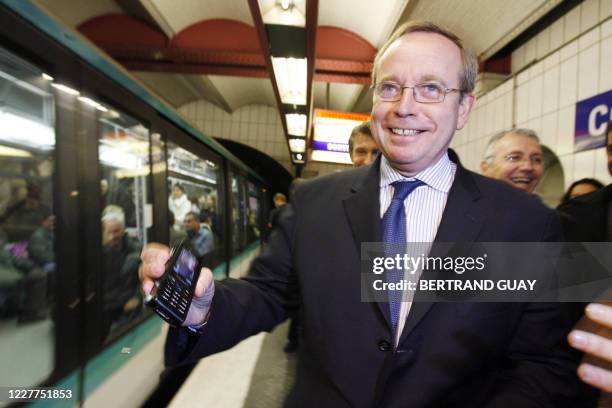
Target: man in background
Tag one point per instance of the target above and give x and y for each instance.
(120, 265)
(179, 204)
(199, 238)
(588, 218)
(280, 200)
(514, 156)
(362, 146)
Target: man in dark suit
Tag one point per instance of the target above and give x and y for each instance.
(361, 354)
(588, 218)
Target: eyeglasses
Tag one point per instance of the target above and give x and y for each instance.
(429, 92)
(519, 158)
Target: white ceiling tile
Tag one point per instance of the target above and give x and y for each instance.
(182, 14)
(360, 17)
(494, 19)
(73, 13)
(239, 91)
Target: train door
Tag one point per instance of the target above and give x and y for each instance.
(238, 214)
(39, 288)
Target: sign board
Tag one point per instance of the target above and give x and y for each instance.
(332, 130)
(592, 117)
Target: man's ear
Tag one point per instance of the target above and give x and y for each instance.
(484, 167)
(468, 100)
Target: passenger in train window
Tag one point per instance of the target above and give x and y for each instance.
(199, 236)
(42, 251)
(120, 258)
(212, 216)
(41, 246)
(362, 146)
(392, 353)
(176, 236)
(514, 156)
(179, 204)
(23, 217)
(11, 279)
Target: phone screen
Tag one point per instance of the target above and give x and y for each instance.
(185, 266)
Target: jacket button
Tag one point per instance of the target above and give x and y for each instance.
(384, 345)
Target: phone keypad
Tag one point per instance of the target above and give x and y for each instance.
(176, 294)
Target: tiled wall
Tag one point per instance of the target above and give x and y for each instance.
(257, 126)
(569, 61)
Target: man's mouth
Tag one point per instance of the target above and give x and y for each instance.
(406, 132)
(522, 180)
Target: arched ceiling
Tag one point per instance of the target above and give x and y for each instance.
(192, 49)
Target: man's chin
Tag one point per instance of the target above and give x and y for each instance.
(523, 187)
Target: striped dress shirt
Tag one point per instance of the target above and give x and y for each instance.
(424, 208)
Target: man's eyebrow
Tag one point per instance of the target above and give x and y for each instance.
(387, 78)
(431, 77)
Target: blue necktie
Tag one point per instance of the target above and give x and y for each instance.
(394, 232)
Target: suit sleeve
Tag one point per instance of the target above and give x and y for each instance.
(540, 367)
(244, 307)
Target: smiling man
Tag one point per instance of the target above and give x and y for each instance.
(514, 156)
(395, 353)
(362, 146)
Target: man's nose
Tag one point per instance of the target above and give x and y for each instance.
(406, 104)
(526, 164)
(370, 158)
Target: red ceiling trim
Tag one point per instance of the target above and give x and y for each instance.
(197, 69)
(500, 65)
(227, 47)
(104, 31)
(340, 44)
(342, 78)
(219, 35)
(347, 67)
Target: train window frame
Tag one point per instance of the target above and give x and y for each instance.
(187, 142)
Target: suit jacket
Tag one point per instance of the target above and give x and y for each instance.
(449, 354)
(585, 218)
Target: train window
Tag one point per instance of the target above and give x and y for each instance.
(124, 154)
(254, 213)
(194, 187)
(235, 202)
(27, 252)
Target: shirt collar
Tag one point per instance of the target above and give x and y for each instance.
(439, 176)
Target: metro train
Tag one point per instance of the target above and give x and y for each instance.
(92, 168)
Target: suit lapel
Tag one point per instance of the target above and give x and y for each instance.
(362, 209)
(461, 222)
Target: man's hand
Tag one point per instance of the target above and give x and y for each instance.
(154, 257)
(596, 369)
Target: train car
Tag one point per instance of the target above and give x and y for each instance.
(93, 167)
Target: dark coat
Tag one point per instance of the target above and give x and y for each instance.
(449, 355)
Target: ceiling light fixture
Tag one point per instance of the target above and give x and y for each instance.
(286, 4)
(291, 78)
(297, 145)
(296, 124)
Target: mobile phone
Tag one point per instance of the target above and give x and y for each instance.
(171, 295)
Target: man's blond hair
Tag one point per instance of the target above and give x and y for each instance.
(469, 72)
